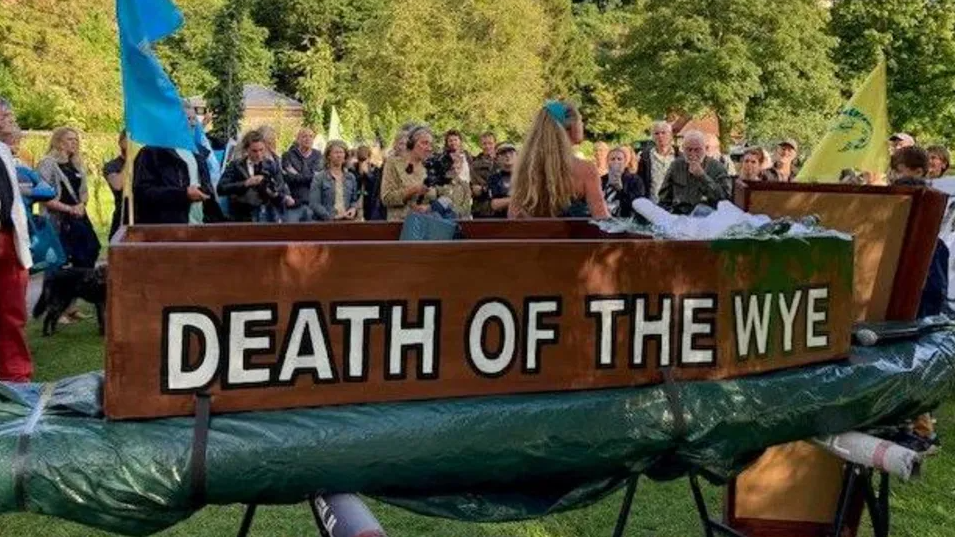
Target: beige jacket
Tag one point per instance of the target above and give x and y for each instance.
(395, 179)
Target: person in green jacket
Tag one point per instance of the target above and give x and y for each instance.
(694, 179)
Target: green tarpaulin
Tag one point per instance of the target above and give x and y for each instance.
(482, 459)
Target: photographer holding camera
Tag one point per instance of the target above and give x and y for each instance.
(406, 186)
(254, 184)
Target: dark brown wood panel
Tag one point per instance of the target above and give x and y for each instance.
(898, 241)
(563, 229)
(149, 280)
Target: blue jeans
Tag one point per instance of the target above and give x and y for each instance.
(268, 214)
(297, 215)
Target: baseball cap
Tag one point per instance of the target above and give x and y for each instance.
(790, 142)
(902, 137)
(504, 147)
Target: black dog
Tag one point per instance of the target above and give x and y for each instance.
(63, 287)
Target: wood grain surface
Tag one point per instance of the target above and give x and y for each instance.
(147, 277)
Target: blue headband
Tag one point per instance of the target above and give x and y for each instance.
(557, 111)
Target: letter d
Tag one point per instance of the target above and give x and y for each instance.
(179, 325)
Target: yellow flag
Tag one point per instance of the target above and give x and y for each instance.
(132, 149)
(857, 137)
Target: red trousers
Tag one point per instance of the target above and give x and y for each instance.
(15, 364)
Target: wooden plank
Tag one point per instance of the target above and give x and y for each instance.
(896, 230)
(363, 231)
(916, 258)
(154, 285)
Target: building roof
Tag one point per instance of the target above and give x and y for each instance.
(257, 96)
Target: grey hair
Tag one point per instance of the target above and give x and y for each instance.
(694, 135)
(659, 124)
(268, 132)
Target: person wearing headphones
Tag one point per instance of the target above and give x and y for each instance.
(403, 188)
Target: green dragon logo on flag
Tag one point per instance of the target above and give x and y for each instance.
(856, 127)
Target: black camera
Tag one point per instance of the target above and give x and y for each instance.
(439, 170)
(268, 188)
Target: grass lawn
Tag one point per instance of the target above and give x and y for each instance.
(922, 509)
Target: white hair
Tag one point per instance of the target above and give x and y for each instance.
(694, 135)
(662, 124)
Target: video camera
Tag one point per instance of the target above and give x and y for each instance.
(439, 169)
(269, 187)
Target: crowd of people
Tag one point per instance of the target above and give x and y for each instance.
(256, 182)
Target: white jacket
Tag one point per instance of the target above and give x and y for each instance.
(22, 234)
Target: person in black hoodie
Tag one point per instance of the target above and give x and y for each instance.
(499, 183)
(164, 192)
(369, 180)
(300, 164)
(257, 192)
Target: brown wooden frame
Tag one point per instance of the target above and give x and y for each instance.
(921, 233)
(919, 243)
(235, 265)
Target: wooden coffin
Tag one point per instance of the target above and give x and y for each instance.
(272, 317)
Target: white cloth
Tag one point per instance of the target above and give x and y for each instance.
(195, 209)
(873, 452)
(19, 214)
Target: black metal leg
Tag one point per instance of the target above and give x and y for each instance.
(884, 501)
(878, 506)
(709, 525)
(872, 503)
(247, 520)
(313, 504)
(701, 505)
(845, 497)
(626, 507)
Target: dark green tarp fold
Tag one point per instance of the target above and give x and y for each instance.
(480, 459)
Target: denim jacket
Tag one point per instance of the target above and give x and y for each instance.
(321, 196)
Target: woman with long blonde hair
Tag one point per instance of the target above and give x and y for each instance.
(549, 180)
(62, 168)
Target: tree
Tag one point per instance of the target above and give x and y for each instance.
(603, 25)
(236, 56)
(764, 65)
(59, 63)
(314, 71)
(466, 64)
(917, 37)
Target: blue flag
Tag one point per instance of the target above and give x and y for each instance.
(154, 113)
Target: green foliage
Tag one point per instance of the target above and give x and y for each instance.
(59, 63)
(314, 73)
(604, 25)
(766, 68)
(237, 56)
(190, 55)
(917, 37)
(752, 63)
(450, 63)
